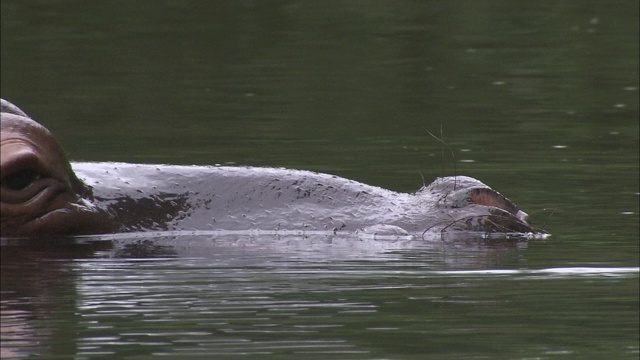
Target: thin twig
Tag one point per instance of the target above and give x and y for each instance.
(453, 156)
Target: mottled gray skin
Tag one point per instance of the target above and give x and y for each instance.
(94, 198)
(153, 197)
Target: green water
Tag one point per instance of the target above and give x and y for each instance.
(539, 100)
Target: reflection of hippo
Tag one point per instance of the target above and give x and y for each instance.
(41, 194)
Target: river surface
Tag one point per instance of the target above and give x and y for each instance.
(539, 100)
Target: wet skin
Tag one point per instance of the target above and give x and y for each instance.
(43, 194)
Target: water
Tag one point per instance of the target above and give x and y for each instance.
(315, 297)
(538, 100)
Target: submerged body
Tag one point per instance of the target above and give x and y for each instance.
(155, 197)
(43, 195)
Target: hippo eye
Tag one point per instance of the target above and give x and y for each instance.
(20, 179)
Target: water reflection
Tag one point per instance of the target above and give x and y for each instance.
(54, 289)
(39, 295)
(256, 295)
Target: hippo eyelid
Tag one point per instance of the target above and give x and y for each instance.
(21, 179)
(21, 172)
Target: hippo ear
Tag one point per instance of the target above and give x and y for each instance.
(489, 197)
(8, 107)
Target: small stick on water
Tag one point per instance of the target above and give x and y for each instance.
(552, 210)
(453, 156)
(548, 217)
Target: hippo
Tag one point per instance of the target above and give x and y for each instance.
(43, 194)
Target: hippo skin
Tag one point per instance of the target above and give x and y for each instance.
(43, 194)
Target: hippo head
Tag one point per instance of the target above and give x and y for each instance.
(471, 205)
(40, 193)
